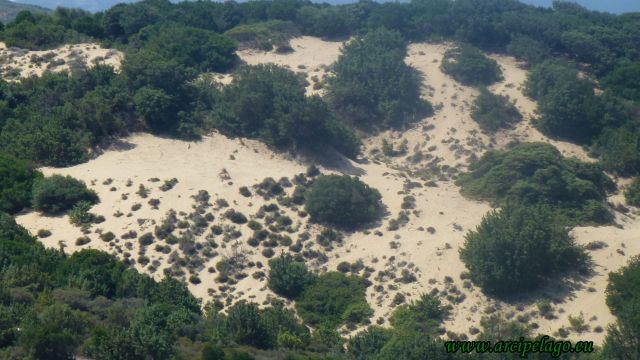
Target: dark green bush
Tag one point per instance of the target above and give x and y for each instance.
(422, 316)
(623, 299)
(342, 200)
(536, 173)
(268, 102)
(372, 86)
(58, 193)
(494, 112)
(619, 150)
(288, 277)
(212, 352)
(368, 343)
(470, 66)
(195, 48)
(327, 300)
(16, 181)
(264, 35)
(632, 193)
(517, 248)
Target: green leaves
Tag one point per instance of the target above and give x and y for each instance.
(494, 112)
(332, 299)
(536, 173)
(470, 66)
(372, 86)
(16, 180)
(516, 248)
(342, 201)
(56, 194)
(288, 277)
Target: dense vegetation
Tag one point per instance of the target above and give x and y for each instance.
(494, 112)
(342, 200)
(623, 299)
(373, 86)
(518, 247)
(632, 193)
(536, 173)
(334, 298)
(470, 66)
(268, 102)
(58, 193)
(16, 182)
(288, 277)
(570, 109)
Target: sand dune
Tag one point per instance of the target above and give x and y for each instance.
(20, 63)
(426, 246)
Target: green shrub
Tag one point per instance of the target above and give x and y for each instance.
(632, 193)
(470, 66)
(16, 180)
(58, 193)
(422, 316)
(494, 112)
(235, 216)
(368, 343)
(327, 300)
(373, 86)
(196, 48)
(263, 35)
(212, 352)
(288, 277)
(619, 150)
(623, 299)
(536, 173)
(517, 248)
(79, 215)
(342, 200)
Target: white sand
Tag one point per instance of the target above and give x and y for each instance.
(21, 63)
(457, 140)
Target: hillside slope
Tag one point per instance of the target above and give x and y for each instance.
(9, 10)
(416, 257)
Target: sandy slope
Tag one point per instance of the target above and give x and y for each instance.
(426, 246)
(20, 63)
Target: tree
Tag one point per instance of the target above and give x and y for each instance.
(494, 112)
(54, 333)
(517, 248)
(470, 66)
(342, 200)
(16, 180)
(58, 193)
(288, 277)
(372, 86)
(244, 326)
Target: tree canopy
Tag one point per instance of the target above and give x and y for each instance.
(342, 200)
(517, 248)
(372, 86)
(536, 173)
